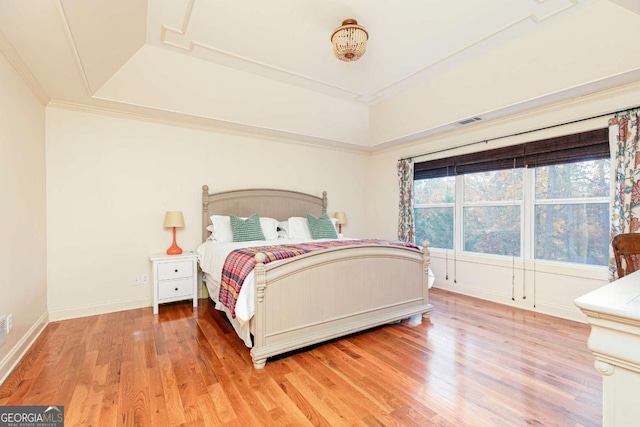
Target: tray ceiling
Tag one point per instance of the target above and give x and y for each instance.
(261, 64)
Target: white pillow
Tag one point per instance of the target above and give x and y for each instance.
(221, 228)
(334, 221)
(269, 228)
(283, 229)
(299, 228)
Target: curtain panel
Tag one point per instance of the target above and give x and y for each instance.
(625, 180)
(406, 230)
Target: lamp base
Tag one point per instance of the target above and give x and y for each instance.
(174, 249)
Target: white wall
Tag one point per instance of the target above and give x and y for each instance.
(551, 287)
(111, 179)
(23, 282)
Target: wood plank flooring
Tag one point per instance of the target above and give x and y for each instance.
(475, 363)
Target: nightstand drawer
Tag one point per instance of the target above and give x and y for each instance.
(175, 288)
(175, 270)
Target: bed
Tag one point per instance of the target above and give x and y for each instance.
(317, 296)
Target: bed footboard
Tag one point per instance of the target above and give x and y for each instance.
(328, 294)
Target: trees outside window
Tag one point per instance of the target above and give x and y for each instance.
(571, 212)
(566, 208)
(433, 211)
(492, 212)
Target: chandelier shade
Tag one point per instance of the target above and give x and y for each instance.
(349, 41)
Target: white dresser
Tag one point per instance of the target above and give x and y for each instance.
(174, 278)
(614, 314)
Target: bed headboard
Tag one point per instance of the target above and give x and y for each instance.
(279, 204)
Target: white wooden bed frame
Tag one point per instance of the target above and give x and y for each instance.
(324, 294)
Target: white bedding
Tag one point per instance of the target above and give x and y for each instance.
(211, 256)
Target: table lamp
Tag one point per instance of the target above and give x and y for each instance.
(342, 219)
(174, 220)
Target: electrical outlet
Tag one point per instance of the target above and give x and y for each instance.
(137, 280)
(145, 279)
(9, 323)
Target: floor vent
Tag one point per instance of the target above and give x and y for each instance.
(471, 120)
(3, 328)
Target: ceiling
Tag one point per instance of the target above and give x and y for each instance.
(267, 66)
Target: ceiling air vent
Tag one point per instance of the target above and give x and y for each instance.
(471, 120)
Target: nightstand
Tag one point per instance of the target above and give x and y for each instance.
(174, 278)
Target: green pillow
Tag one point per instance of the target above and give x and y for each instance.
(245, 230)
(321, 228)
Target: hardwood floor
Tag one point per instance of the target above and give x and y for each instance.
(475, 363)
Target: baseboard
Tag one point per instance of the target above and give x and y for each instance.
(92, 310)
(554, 310)
(560, 311)
(472, 292)
(8, 364)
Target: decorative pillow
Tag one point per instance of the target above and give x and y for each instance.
(299, 228)
(221, 232)
(245, 230)
(321, 228)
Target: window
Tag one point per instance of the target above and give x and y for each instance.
(571, 212)
(433, 211)
(492, 212)
(545, 200)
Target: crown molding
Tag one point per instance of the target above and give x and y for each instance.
(405, 81)
(601, 97)
(74, 47)
(535, 18)
(23, 71)
(169, 118)
(202, 123)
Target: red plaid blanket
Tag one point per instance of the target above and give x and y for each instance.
(240, 262)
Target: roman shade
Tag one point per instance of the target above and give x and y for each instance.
(590, 145)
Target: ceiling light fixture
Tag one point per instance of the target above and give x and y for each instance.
(349, 41)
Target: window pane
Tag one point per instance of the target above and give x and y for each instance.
(573, 180)
(492, 230)
(495, 186)
(573, 233)
(436, 226)
(434, 190)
